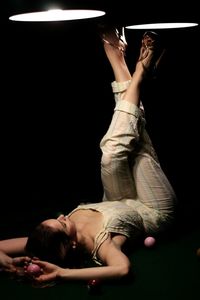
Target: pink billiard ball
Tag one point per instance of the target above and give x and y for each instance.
(93, 286)
(33, 270)
(149, 241)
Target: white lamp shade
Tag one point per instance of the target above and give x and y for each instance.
(162, 25)
(57, 15)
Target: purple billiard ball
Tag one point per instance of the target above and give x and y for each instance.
(33, 270)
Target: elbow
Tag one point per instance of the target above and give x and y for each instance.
(124, 270)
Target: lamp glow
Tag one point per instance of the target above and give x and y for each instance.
(57, 15)
(162, 25)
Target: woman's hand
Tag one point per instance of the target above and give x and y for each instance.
(20, 263)
(49, 271)
(6, 264)
(13, 265)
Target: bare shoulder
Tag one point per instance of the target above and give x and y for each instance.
(119, 240)
(110, 251)
(114, 241)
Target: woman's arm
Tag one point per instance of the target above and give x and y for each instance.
(13, 246)
(117, 265)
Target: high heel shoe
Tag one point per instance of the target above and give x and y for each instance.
(151, 44)
(114, 37)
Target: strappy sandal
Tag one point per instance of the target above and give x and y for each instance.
(114, 37)
(151, 41)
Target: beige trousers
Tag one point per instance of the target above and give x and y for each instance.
(130, 169)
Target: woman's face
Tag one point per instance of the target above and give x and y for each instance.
(62, 223)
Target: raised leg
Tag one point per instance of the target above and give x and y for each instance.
(129, 167)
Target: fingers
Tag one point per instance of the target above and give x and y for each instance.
(45, 277)
(21, 260)
(10, 269)
(39, 262)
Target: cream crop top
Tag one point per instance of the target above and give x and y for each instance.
(118, 218)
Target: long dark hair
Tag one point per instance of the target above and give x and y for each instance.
(47, 243)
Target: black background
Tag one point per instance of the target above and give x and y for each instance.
(56, 104)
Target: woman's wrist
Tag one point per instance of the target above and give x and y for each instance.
(62, 273)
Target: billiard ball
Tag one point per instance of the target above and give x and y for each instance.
(93, 285)
(149, 241)
(33, 270)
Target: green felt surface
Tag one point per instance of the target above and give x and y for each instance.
(170, 270)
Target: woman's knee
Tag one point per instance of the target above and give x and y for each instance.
(115, 159)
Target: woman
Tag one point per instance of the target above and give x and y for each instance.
(138, 198)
